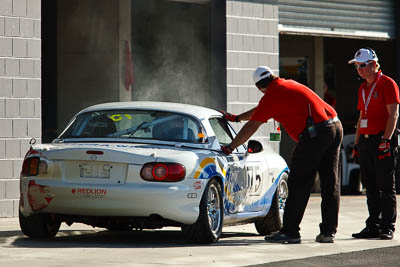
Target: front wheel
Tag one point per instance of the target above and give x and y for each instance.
(208, 227)
(39, 225)
(272, 222)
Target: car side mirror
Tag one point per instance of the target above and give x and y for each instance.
(254, 146)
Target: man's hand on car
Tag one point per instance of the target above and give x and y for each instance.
(229, 116)
(227, 149)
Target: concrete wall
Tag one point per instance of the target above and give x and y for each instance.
(252, 40)
(20, 93)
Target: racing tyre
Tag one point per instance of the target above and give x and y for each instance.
(39, 225)
(272, 222)
(208, 227)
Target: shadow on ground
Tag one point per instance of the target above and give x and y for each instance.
(123, 239)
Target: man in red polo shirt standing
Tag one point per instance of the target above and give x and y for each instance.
(314, 125)
(378, 103)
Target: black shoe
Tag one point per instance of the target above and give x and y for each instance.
(325, 238)
(282, 238)
(367, 233)
(386, 235)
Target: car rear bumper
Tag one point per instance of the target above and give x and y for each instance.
(173, 201)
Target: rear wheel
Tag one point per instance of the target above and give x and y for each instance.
(39, 225)
(273, 220)
(208, 227)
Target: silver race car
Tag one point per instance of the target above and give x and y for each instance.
(146, 165)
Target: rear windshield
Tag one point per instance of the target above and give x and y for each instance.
(138, 124)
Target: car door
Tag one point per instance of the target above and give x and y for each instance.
(237, 182)
(257, 172)
(256, 169)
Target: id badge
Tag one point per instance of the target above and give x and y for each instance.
(364, 123)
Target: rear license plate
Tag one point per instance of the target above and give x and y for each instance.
(95, 171)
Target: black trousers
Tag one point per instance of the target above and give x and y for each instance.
(379, 179)
(309, 156)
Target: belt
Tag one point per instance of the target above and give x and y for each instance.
(327, 122)
(366, 136)
(319, 126)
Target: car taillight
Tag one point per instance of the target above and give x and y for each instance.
(163, 172)
(30, 167)
(33, 166)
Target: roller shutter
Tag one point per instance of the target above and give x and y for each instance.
(371, 19)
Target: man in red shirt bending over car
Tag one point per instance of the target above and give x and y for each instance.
(378, 103)
(314, 125)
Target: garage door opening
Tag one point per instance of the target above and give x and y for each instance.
(178, 52)
(171, 51)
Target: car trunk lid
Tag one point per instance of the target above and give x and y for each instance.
(98, 163)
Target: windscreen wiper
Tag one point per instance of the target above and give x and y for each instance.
(131, 131)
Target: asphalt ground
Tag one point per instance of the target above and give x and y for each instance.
(81, 245)
(373, 257)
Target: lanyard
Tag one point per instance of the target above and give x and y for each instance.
(366, 103)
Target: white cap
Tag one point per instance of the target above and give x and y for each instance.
(364, 55)
(261, 72)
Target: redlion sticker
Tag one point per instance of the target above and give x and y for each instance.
(89, 192)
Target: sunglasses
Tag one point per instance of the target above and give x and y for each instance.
(361, 66)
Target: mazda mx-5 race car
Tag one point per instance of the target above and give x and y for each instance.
(146, 165)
